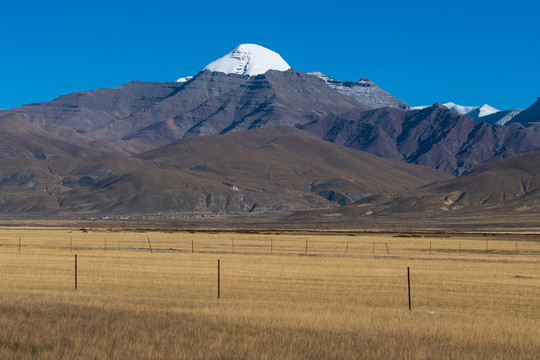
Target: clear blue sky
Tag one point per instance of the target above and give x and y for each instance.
(469, 52)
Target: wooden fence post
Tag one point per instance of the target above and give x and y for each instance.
(19, 244)
(430, 248)
(387, 253)
(75, 271)
(271, 246)
(347, 249)
(218, 279)
(192, 250)
(373, 251)
(409, 286)
(150, 244)
(306, 245)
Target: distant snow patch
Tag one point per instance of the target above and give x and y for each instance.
(184, 79)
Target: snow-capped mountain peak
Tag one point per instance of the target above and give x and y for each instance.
(483, 110)
(248, 59)
(460, 109)
(475, 112)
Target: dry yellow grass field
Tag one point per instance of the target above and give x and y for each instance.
(283, 296)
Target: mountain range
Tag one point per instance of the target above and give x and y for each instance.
(246, 134)
(484, 113)
(433, 136)
(475, 112)
(141, 116)
(257, 170)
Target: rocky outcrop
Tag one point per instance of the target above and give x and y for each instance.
(364, 91)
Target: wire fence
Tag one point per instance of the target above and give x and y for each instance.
(281, 245)
(364, 271)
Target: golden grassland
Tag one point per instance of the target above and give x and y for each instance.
(283, 296)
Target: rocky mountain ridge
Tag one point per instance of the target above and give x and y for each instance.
(364, 91)
(529, 116)
(139, 116)
(434, 136)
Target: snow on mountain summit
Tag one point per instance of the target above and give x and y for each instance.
(482, 111)
(460, 109)
(475, 112)
(248, 59)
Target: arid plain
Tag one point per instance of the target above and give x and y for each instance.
(283, 294)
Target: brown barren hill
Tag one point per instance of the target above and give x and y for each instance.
(510, 186)
(19, 138)
(255, 170)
